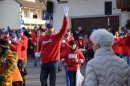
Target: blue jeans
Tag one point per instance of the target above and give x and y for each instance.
(37, 60)
(67, 77)
(59, 63)
(125, 57)
(49, 69)
(25, 64)
(129, 60)
(72, 78)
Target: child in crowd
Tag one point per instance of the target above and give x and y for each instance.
(80, 42)
(72, 59)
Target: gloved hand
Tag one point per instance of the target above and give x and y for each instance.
(9, 41)
(37, 55)
(63, 41)
(66, 9)
(122, 36)
(1, 79)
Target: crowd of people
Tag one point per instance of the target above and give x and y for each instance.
(104, 68)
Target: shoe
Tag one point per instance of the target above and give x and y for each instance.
(82, 64)
(35, 64)
(59, 69)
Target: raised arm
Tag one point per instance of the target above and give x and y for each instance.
(64, 28)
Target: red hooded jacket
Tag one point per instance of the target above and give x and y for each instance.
(128, 44)
(71, 38)
(124, 46)
(16, 48)
(81, 43)
(33, 37)
(35, 47)
(116, 47)
(70, 56)
(24, 42)
(64, 47)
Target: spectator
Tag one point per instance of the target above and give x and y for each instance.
(80, 30)
(106, 69)
(116, 46)
(76, 34)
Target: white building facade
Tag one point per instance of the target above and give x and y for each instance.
(9, 14)
(13, 11)
(86, 9)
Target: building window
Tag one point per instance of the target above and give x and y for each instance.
(25, 14)
(35, 15)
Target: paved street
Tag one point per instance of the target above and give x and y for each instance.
(32, 79)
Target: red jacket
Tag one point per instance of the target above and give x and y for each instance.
(128, 44)
(24, 42)
(90, 44)
(16, 48)
(116, 47)
(70, 56)
(124, 46)
(64, 47)
(50, 45)
(81, 43)
(33, 37)
(35, 47)
(71, 38)
(7, 38)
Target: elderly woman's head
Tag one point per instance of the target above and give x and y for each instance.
(101, 38)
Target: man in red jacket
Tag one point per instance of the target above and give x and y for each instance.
(24, 42)
(33, 37)
(15, 45)
(50, 51)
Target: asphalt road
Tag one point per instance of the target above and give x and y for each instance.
(32, 79)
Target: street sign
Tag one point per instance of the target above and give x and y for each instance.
(45, 15)
(22, 22)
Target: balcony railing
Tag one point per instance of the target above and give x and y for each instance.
(33, 21)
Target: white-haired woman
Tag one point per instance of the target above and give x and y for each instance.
(106, 69)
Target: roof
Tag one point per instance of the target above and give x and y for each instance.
(37, 4)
